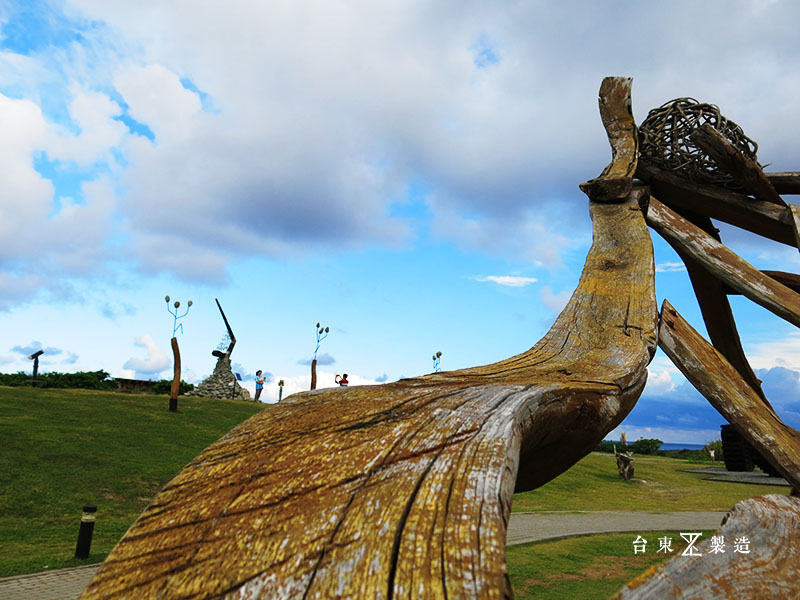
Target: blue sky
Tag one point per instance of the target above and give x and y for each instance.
(403, 172)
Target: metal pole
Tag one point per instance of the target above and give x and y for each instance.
(85, 532)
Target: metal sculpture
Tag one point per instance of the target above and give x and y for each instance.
(322, 333)
(176, 353)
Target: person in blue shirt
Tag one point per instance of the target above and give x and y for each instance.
(259, 384)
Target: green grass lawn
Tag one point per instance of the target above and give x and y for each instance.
(62, 449)
(597, 566)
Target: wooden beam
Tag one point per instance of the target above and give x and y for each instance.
(616, 181)
(717, 314)
(763, 218)
(790, 280)
(785, 183)
(795, 212)
(769, 569)
(402, 489)
(715, 378)
(722, 263)
(731, 160)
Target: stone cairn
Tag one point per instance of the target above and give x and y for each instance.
(222, 383)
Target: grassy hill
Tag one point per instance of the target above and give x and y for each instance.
(62, 449)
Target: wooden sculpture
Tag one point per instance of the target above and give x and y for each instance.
(404, 490)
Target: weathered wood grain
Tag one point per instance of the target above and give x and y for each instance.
(722, 263)
(719, 382)
(763, 218)
(795, 212)
(769, 570)
(404, 489)
(731, 160)
(616, 180)
(790, 280)
(786, 182)
(712, 297)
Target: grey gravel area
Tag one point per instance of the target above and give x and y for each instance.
(752, 477)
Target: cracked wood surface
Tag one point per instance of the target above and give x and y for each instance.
(721, 384)
(769, 570)
(404, 489)
(724, 264)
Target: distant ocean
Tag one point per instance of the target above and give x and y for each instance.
(671, 446)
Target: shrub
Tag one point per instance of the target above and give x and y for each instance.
(645, 446)
(164, 386)
(84, 380)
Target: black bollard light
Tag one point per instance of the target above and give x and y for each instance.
(85, 533)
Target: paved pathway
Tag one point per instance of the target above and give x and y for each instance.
(68, 584)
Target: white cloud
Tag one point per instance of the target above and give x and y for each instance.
(781, 352)
(508, 280)
(150, 367)
(323, 112)
(670, 267)
(555, 302)
(302, 383)
(658, 382)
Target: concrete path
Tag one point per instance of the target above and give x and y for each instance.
(524, 527)
(527, 527)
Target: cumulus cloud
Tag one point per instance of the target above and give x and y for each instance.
(508, 280)
(302, 383)
(277, 147)
(35, 346)
(659, 382)
(150, 367)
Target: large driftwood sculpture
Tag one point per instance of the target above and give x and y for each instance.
(404, 490)
(680, 209)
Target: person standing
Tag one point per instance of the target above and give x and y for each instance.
(259, 384)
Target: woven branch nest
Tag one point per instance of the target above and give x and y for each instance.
(664, 140)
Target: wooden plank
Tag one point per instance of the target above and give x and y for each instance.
(790, 280)
(763, 218)
(731, 160)
(786, 182)
(404, 489)
(715, 378)
(722, 263)
(717, 314)
(616, 181)
(770, 569)
(795, 211)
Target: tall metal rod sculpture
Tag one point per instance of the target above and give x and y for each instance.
(176, 353)
(322, 333)
(232, 337)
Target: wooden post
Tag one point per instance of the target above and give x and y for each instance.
(176, 377)
(314, 374)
